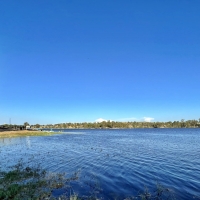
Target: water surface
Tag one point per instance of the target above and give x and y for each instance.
(119, 163)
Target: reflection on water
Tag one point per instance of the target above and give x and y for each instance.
(122, 162)
(9, 141)
(28, 142)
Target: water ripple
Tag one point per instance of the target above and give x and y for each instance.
(122, 162)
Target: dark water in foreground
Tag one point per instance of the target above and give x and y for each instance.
(120, 162)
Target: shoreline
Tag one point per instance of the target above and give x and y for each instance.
(21, 133)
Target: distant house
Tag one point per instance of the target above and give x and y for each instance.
(28, 127)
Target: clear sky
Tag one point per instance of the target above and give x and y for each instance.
(77, 61)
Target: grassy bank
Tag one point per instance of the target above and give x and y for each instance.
(21, 133)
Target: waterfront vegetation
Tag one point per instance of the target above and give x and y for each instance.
(112, 124)
(115, 124)
(22, 133)
(30, 183)
(33, 183)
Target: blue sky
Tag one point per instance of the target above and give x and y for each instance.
(77, 61)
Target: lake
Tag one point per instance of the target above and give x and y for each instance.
(117, 162)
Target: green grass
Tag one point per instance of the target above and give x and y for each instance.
(8, 134)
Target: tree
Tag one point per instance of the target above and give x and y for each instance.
(26, 124)
(37, 126)
(182, 123)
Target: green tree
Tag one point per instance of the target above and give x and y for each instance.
(37, 126)
(26, 124)
(182, 123)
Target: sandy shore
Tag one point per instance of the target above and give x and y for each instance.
(21, 133)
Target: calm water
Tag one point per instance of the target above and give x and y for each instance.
(120, 162)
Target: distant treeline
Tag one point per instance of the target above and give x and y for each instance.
(113, 124)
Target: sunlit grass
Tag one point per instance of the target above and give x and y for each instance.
(8, 134)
